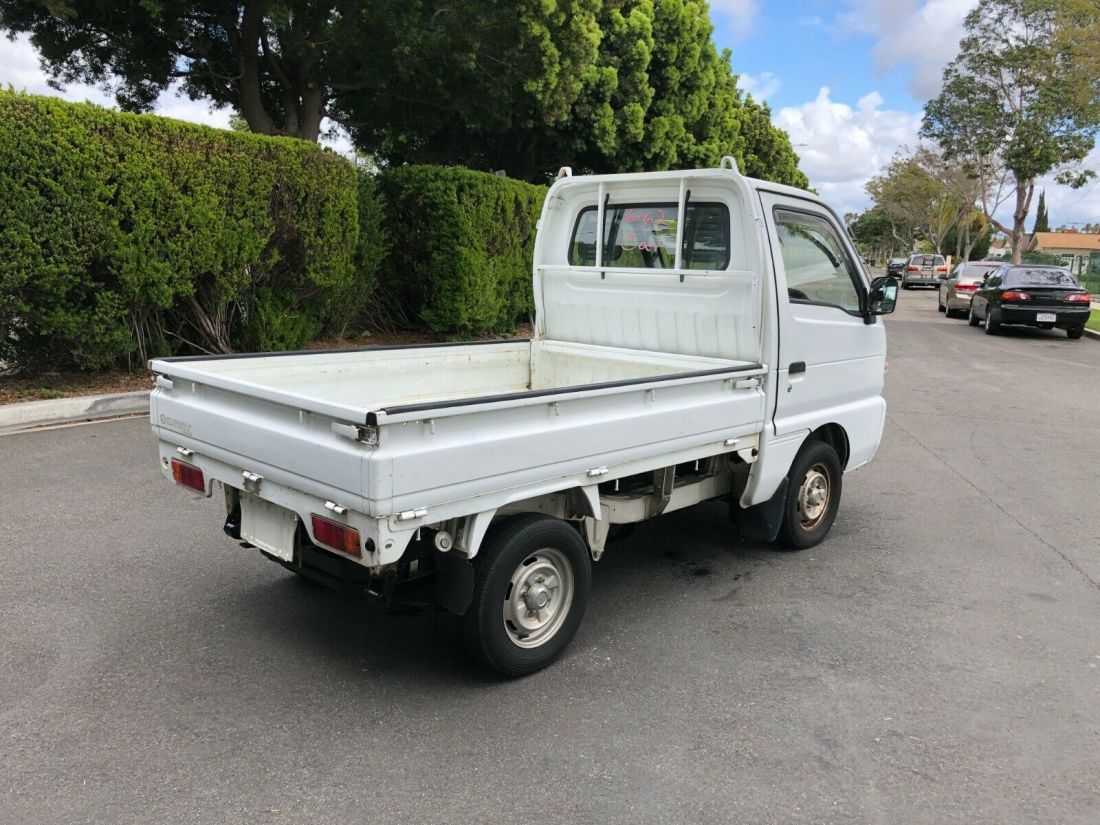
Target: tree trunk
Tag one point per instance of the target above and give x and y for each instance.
(313, 105)
(248, 50)
(1024, 191)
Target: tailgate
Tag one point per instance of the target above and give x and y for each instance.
(290, 446)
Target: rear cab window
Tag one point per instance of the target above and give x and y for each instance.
(643, 236)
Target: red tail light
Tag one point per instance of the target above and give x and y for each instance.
(188, 475)
(941, 269)
(1079, 298)
(912, 269)
(336, 536)
(1015, 295)
(966, 287)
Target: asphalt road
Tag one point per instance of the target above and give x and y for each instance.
(936, 660)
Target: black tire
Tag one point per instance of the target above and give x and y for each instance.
(800, 530)
(971, 318)
(523, 546)
(992, 325)
(1075, 332)
(940, 306)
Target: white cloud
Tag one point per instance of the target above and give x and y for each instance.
(19, 67)
(842, 147)
(760, 86)
(1066, 206)
(738, 13)
(920, 35)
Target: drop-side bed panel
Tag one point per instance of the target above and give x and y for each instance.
(433, 452)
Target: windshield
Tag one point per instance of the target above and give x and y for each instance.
(1040, 277)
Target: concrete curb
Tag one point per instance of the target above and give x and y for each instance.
(30, 414)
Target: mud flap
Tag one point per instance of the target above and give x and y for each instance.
(454, 582)
(761, 522)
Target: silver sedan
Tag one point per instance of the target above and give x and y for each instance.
(957, 290)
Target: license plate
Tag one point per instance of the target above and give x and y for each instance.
(268, 526)
(1046, 317)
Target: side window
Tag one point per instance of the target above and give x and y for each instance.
(643, 236)
(817, 268)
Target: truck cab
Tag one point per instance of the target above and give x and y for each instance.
(698, 335)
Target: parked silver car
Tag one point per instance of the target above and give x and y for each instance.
(956, 291)
(924, 270)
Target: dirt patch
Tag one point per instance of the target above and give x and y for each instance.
(14, 389)
(402, 339)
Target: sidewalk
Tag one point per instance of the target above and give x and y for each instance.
(28, 415)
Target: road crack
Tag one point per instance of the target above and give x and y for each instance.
(1084, 573)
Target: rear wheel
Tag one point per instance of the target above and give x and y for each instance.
(992, 326)
(971, 318)
(940, 305)
(813, 496)
(531, 584)
(1075, 332)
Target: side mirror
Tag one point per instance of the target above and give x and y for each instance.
(883, 296)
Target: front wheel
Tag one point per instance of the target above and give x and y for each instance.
(531, 584)
(971, 318)
(813, 496)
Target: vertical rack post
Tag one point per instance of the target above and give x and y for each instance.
(680, 218)
(599, 227)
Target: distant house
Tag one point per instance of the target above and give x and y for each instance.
(1077, 249)
(1000, 249)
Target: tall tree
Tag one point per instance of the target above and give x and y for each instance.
(520, 85)
(284, 65)
(1016, 105)
(658, 95)
(1042, 219)
(919, 196)
(873, 234)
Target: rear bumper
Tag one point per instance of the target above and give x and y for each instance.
(1065, 318)
(911, 280)
(957, 301)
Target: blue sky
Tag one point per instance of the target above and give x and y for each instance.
(846, 78)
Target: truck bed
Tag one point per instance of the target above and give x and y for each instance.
(382, 378)
(389, 432)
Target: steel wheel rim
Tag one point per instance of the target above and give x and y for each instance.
(813, 496)
(538, 598)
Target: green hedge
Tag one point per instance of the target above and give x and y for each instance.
(123, 236)
(462, 244)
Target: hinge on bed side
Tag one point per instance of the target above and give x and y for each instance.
(364, 433)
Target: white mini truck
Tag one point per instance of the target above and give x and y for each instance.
(698, 335)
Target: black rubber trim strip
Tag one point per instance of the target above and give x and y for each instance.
(512, 396)
(179, 359)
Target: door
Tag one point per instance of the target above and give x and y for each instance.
(831, 361)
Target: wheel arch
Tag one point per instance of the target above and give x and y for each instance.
(836, 437)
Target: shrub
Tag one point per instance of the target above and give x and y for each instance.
(462, 245)
(128, 235)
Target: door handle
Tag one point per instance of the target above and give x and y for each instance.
(796, 367)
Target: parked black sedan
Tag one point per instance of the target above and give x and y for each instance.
(896, 267)
(1031, 295)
